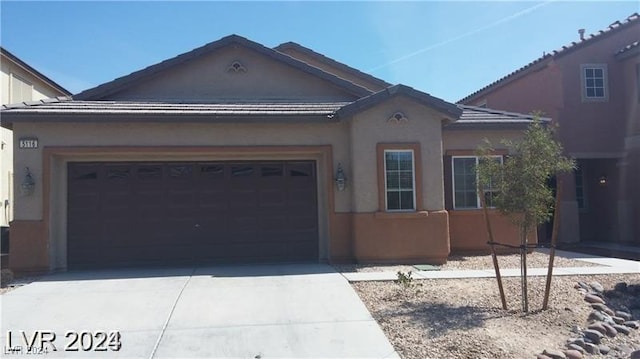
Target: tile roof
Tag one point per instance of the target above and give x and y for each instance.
(485, 118)
(392, 91)
(567, 49)
(35, 72)
(627, 49)
(331, 62)
(120, 83)
(66, 109)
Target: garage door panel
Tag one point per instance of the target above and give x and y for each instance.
(144, 212)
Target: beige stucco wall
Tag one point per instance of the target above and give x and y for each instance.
(192, 135)
(208, 79)
(371, 127)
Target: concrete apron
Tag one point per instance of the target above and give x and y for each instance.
(267, 311)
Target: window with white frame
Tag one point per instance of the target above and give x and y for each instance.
(399, 176)
(594, 82)
(465, 179)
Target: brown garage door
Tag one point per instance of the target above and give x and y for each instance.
(143, 213)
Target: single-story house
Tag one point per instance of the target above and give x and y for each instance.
(236, 152)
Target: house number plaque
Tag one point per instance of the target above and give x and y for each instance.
(28, 143)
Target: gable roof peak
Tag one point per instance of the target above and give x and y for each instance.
(424, 98)
(106, 89)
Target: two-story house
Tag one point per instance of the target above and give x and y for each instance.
(19, 82)
(591, 90)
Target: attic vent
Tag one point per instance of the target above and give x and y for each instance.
(236, 66)
(398, 118)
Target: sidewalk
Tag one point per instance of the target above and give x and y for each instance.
(609, 266)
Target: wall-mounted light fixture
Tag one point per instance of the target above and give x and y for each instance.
(341, 179)
(602, 180)
(28, 185)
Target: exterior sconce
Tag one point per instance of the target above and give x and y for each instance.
(28, 185)
(602, 180)
(340, 179)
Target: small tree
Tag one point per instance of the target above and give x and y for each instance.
(519, 186)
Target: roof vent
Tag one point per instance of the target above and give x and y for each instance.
(236, 66)
(581, 32)
(398, 118)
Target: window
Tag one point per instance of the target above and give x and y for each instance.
(594, 82)
(399, 175)
(465, 181)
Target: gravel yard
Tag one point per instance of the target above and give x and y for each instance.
(534, 260)
(462, 318)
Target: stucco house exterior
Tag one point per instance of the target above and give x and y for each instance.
(19, 82)
(591, 89)
(236, 152)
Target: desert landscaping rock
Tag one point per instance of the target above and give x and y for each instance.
(599, 327)
(622, 329)
(618, 320)
(555, 354)
(591, 348)
(577, 341)
(610, 331)
(596, 315)
(635, 355)
(592, 298)
(593, 335)
(603, 308)
(597, 287)
(631, 324)
(624, 315)
(542, 356)
(573, 354)
(576, 347)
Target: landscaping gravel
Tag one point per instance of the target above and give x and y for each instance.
(462, 318)
(505, 261)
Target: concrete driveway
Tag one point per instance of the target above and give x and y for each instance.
(267, 311)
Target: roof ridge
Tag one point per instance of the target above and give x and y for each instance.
(119, 83)
(564, 50)
(332, 62)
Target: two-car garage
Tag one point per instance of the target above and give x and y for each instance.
(135, 213)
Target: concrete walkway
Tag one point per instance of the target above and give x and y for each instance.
(609, 266)
(269, 311)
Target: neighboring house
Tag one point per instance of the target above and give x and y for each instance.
(235, 152)
(20, 83)
(591, 89)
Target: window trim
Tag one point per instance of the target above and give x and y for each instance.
(413, 178)
(453, 182)
(583, 82)
(417, 176)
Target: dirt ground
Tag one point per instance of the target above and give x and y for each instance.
(462, 318)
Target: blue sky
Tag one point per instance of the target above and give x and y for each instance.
(448, 49)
